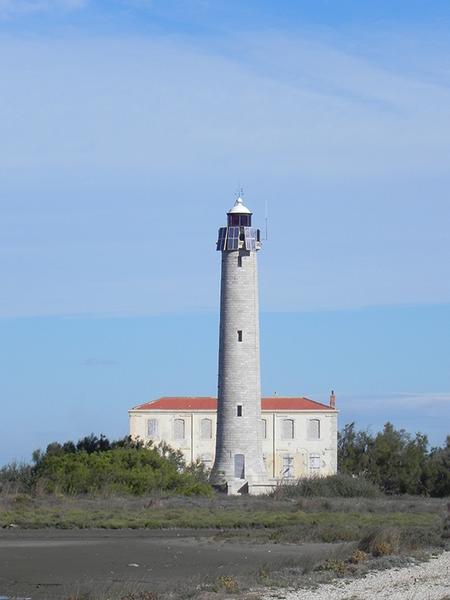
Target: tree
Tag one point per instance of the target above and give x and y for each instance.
(353, 450)
(440, 470)
(395, 461)
(399, 461)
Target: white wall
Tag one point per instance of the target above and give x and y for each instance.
(308, 456)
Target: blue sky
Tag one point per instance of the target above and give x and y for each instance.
(126, 128)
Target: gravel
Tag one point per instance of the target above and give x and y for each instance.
(426, 581)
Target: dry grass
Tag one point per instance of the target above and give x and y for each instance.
(311, 519)
(420, 521)
(381, 542)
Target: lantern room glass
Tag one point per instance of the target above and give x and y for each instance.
(237, 220)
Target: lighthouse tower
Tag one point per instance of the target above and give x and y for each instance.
(239, 460)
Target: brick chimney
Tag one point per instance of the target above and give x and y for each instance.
(332, 399)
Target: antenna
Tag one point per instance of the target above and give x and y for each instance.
(239, 191)
(266, 219)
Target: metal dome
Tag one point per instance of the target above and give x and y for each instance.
(239, 208)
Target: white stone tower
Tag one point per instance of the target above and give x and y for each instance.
(239, 459)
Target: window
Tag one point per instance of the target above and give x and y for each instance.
(263, 429)
(233, 220)
(287, 429)
(239, 335)
(206, 459)
(314, 463)
(239, 466)
(178, 429)
(206, 429)
(288, 466)
(313, 429)
(239, 410)
(152, 428)
(239, 261)
(239, 220)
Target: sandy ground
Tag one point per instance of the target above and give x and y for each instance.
(50, 564)
(426, 581)
(55, 564)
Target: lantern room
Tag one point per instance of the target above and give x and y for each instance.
(239, 235)
(239, 215)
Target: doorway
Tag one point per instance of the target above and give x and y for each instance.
(239, 466)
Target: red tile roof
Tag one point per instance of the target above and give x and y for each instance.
(208, 403)
(287, 403)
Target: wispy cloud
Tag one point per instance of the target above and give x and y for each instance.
(411, 400)
(427, 412)
(11, 8)
(298, 105)
(421, 400)
(149, 113)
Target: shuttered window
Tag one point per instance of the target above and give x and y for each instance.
(288, 466)
(263, 429)
(178, 429)
(314, 463)
(287, 429)
(206, 429)
(313, 429)
(152, 428)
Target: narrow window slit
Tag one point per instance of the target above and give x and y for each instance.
(239, 410)
(239, 335)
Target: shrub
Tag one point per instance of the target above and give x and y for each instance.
(336, 566)
(358, 556)
(334, 485)
(97, 465)
(414, 537)
(381, 541)
(228, 583)
(16, 478)
(119, 470)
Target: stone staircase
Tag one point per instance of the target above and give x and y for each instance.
(236, 487)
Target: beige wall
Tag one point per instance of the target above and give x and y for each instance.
(284, 456)
(309, 455)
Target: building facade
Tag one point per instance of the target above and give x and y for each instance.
(298, 435)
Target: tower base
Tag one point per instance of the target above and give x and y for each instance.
(239, 487)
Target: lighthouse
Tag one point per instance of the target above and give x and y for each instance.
(239, 460)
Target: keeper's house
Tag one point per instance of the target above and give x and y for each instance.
(299, 436)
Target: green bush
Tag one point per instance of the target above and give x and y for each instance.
(119, 470)
(341, 485)
(96, 465)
